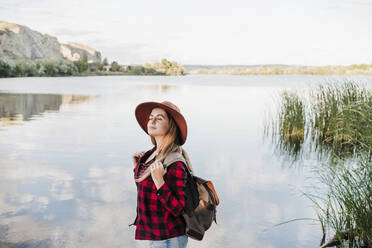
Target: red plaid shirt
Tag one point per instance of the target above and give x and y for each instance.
(159, 211)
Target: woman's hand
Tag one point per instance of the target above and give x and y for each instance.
(136, 156)
(157, 172)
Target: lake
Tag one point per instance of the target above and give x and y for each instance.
(66, 172)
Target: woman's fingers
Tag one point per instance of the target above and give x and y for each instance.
(138, 154)
(155, 165)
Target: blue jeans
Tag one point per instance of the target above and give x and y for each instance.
(176, 242)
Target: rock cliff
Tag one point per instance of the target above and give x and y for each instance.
(20, 43)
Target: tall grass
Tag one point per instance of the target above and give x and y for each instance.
(336, 119)
(346, 210)
(289, 125)
(341, 119)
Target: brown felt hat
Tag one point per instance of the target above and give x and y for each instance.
(143, 111)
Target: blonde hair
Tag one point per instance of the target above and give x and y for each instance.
(171, 142)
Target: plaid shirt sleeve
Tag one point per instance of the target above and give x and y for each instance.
(172, 192)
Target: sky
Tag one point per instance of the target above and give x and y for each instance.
(235, 32)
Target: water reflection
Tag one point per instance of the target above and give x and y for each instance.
(66, 179)
(15, 108)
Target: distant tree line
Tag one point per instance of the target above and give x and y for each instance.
(114, 67)
(358, 69)
(167, 67)
(42, 68)
(37, 69)
(80, 67)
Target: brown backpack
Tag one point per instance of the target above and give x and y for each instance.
(201, 201)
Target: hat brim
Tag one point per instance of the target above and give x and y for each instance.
(143, 112)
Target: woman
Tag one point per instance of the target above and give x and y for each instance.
(160, 191)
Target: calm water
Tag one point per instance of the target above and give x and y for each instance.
(66, 175)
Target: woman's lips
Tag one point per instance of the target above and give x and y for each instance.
(152, 127)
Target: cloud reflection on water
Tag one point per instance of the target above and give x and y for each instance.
(66, 180)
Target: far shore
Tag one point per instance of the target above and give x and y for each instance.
(350, 70)
(167, 68)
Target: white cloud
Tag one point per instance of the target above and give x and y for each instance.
(238, 32)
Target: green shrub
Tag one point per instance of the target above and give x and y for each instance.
(81, 66)
(115, 66)
(5, 69)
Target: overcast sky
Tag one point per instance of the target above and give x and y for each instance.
(314, 32)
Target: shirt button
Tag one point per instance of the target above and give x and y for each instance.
(158, 193)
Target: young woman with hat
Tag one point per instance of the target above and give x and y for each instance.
(160, 191)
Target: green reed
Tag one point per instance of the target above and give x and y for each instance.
(289, 125)
(336, 117)
(346, 210)
(341, 119)
(336, 120)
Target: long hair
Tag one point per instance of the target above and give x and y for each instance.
(171, 142)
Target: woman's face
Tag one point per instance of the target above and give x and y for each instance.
(158, 123)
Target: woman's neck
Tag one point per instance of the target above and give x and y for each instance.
(159, 141)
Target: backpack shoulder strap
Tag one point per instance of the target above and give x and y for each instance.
(173, 157)
(176, 156)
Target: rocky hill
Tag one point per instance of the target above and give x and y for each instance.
(74, 51)
(20, 43)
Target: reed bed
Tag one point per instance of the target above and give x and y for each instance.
(336, 119)
(289, 125)
(341, 119)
